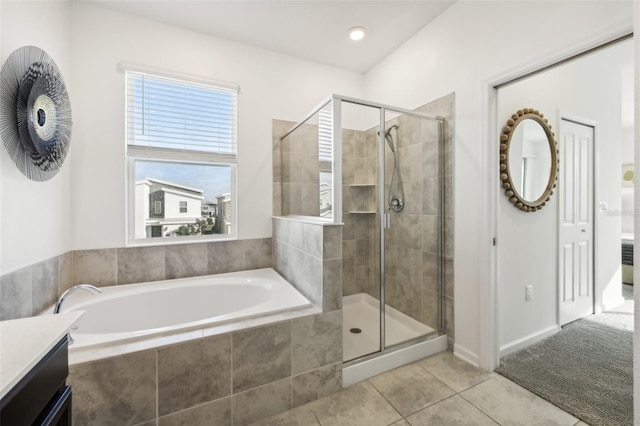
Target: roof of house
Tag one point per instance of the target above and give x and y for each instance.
(171, 185)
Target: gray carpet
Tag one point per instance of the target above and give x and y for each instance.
(586, 369)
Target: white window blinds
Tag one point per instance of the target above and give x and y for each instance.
(325, 146)
(166, 115)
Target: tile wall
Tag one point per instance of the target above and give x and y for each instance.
(411, 251)
(28, 291)
(230, 379)
(445, 107)
(309, 256)
(296, 170)
(411, 243)
(360, 242)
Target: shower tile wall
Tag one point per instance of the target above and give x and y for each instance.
(360, 245)
(445, 107)
(296, 171)
(411, 244)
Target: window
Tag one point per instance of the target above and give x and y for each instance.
(181, 149)
(325, 157)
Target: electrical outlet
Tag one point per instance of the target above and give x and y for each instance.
(528, 292)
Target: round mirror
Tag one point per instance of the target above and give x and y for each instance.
(528, 160)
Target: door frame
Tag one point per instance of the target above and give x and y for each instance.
(488, 356)
(580, 120)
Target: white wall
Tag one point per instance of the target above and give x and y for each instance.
(626, 154)
(35, 216)
(1, 162)
(172, 206)
(589, 88)
(470, 44)
(271, 86)
(636, 255)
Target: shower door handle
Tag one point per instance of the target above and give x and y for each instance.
(386, 217)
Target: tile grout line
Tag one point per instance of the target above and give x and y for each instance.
(157, 352)
(198, 405)
(474, 405)
(435, 377)
(291, 363)
(231, 394)
(383, 397)
(429, 406)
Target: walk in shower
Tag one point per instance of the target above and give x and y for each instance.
(379, 170)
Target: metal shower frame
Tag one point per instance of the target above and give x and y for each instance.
(336, 168)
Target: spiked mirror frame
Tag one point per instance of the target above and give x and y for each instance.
(35, 113)
(505, 174)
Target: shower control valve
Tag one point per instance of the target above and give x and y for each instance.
(396, 203)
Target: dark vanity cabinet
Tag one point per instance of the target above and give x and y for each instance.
(42, 396)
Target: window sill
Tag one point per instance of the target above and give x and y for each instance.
(172, 241)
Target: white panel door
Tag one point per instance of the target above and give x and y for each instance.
(575, 190)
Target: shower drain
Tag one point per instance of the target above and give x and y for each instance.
(355, 330)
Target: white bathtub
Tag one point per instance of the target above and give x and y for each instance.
(126, 313)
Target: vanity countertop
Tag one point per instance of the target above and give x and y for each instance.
(23, 342)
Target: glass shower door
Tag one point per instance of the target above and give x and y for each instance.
(361, 254)
(412, 205)
(391, 196)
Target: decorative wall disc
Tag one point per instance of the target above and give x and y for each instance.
(35, 113)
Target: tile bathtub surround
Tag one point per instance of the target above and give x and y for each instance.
(261, 356)
(31, 289)
(181, 383)
(115, 391)
(234, 378)
(309, 256)
(154, 263)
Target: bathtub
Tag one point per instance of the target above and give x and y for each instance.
(187, 307)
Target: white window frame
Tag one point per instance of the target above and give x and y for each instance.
(163, 155)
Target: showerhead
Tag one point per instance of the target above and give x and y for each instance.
(388, 132)
(389, 138)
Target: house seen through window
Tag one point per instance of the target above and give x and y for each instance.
(181, 146)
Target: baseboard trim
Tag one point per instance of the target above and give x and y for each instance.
(466, 355)
(528, 340)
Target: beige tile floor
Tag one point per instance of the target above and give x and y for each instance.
(439, 390)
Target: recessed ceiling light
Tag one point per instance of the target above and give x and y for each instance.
(357, 33)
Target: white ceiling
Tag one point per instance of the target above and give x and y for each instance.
(313, 30)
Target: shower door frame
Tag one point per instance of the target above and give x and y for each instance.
(336, 101)
(384, 215)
